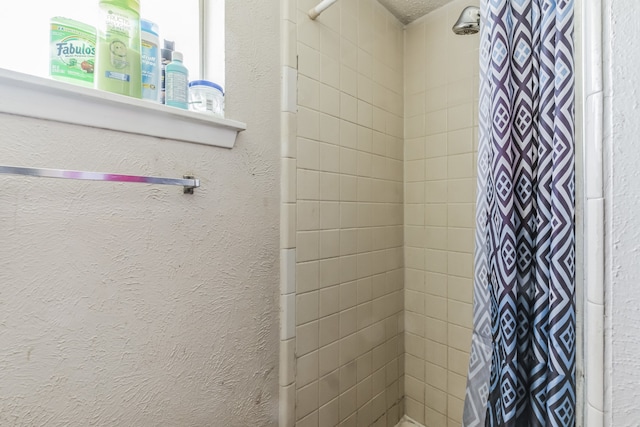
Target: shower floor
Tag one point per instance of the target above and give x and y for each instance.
(408, 422)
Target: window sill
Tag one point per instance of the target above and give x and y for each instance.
(31, 96)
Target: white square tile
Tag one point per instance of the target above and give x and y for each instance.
(289, 90)
(594, 355)
(365, 114)
(287, 316)
(329, 414)
(459, 337)
(308, 185)
(330, 39)
(289, 130)
(595, 418)
(308, 62)
(348, 54)
(307, 369)
(307, 338)
(287, 271)
(308, 123)
(349, 81)
(329, 133)
(329, 71)
(308, 154)
(287, 362)
(329, 300)
(308, 246)
(593, 146)
(308, 215)
(287, 406)
(348, 108)
(460, 116)
(288, 225)
(329, 186)
(307, 402)
(308, 92)
(306, 308)
(288, 181)
(594, 242)
(329, 100)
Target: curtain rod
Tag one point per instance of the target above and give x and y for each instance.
(314, 12)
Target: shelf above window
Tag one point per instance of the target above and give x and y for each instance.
(31, 96)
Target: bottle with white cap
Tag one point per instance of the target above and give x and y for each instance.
(177, 82)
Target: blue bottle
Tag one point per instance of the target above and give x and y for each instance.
(177, 83)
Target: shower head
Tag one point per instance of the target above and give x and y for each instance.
(469, 21)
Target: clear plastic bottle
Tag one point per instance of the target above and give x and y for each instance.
(206, 97)
(177, 82)
(118, 64)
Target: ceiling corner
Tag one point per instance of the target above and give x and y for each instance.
(408, 11)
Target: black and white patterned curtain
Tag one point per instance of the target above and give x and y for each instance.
(522, 364)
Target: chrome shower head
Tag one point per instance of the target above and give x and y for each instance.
(469, 21)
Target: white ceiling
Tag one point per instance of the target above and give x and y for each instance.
(409, 10)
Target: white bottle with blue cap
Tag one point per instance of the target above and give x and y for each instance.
(150, 51)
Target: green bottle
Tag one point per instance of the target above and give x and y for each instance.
(118, 63)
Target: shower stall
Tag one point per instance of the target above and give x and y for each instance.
(379, 154)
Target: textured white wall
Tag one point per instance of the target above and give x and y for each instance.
(622, 157)
(138, 305)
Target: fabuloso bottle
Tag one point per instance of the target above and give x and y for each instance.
(73, 51)
(118, 64)
(177, 83)
(150, 61)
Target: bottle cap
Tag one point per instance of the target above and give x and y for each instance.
(206, 83)
(129, 4)
(148, 27)
(166, 51)
(168, 44)
(176, 56)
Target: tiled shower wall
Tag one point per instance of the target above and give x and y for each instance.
(342, 216)
(441, 80)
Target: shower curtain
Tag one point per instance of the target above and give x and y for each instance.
(522, 363)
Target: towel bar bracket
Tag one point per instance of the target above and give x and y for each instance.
(188, 189)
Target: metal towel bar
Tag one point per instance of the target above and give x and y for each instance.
(188, 182)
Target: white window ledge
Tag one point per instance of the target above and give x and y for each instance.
(31, 96)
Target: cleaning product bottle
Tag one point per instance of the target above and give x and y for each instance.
(177, 82)
(73, 51)
(118, 64)
(166, 52)
(150, 51)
